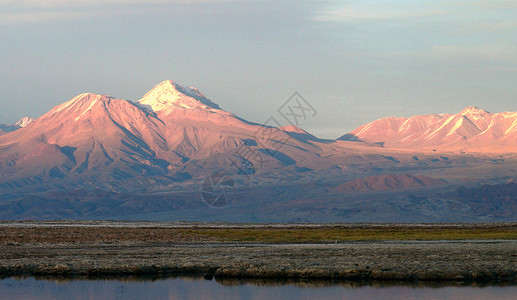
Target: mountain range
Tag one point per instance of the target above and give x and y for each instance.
(167, 143)
(472, 129)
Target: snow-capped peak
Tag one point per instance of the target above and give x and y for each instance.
(169, 95)
(80, 100)
(473, 110)
(24, 121)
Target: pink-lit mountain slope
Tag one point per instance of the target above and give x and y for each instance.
(171, 130)
(5, 128)
(99, 156)
(472, 129)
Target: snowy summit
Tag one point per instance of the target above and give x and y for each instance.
(169, 95)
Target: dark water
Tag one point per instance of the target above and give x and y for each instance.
(196, 288)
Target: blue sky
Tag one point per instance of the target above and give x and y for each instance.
(354, 61)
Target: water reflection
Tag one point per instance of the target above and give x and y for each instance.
(311, 283)
(186, 288)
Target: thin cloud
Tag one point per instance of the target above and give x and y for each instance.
(365, 12)
(45, 11)
(417, 10)
(82, 3)
(36, 17)
(494, 4)
(48, 16)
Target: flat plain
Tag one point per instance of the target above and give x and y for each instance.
(371, 252)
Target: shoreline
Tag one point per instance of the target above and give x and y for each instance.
(270, 281)
(409, 262)
(60, 252)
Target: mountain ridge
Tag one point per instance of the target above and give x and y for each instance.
(119, 156)
(105, 138)
(472, 129)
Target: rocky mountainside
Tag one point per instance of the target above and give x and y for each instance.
(472, 129)
(96, 156)
(173, 132)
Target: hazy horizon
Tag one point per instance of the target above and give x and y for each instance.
(354, 61)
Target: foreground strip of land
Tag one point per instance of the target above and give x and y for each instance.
(448, 252)
(179, 232)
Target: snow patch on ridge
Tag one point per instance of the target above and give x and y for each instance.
(75, 100)
(169, 95)
(24, 121)
(89, 107)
